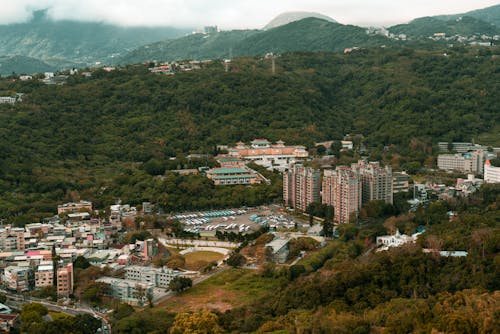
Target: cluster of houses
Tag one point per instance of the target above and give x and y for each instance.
(27, 260)
(170, 68)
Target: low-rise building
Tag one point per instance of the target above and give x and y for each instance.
(44, 276)
(74, 207)
(469, 162)
(279, 249)
(19, 278)
(400, 182)
(387, 241)
(232, 176)
(128, 291)
(491, 173)
(158, 277)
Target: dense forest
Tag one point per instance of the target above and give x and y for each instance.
(118, 135)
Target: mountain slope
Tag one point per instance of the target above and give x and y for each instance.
(428, 26)
(488, 14)
(22, 64)
(196, 46)
(290, 17)
(310, 34)
(73, 41)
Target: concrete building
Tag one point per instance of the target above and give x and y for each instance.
(376, 182)
(397, 239)
(74, 207)
(301, 187)
(44, 276)
(470, 162)
(400, 182)
(127, 291)
(65, 280)
(19, 278)
(279, 249)
(158, 277)
(342, 190)
(491, 173)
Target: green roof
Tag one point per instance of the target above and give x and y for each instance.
(225, 177)
(228, 171)
(228, 159)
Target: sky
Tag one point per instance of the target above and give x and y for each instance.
(232, 14)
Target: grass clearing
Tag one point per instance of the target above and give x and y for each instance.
(58, 315)
(226, 290)
(198, 260)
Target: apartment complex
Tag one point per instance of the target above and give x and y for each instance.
(347, 188)
(19, 278)
(301, 187)
(128, 291)
(491, 173)
(470, 162)
(342, 190)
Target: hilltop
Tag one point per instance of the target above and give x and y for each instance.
(309, 34)
(290, 17)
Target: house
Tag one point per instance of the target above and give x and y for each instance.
(397, 239)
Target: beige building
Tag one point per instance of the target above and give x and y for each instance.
(376, 182)
(470, 162)
(342, 190)
(74, 207)
(301, 187)
(44, 276)
(65, 280)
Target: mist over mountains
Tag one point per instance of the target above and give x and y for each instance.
(43, 44)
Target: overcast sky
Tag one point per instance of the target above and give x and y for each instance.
(230, 14)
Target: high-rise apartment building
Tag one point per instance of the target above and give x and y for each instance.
(376, 182)
(347, 188)
(301, 187)
(65, 280)
(342, 190)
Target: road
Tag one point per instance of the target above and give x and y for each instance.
(17, 301)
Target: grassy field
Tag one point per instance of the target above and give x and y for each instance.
(58, 315)
(198, 260)
(228, 289)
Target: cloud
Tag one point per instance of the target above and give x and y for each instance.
(230, 14)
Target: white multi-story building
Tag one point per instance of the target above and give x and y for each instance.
(491, 173)
(396, 240)
(128, 291)
(158, 277)
(470, 162)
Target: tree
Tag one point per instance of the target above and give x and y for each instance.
(3, 298)
(202, 322)
(81, 262)
(122, 310)
(180, 283)
(236, 260)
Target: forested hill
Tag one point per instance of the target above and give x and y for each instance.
(309, 34)
(489, 14)
(464, 26)
(67, 43)
(93, 135)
